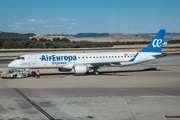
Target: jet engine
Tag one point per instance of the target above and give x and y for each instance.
(64, 70)
(80, 69)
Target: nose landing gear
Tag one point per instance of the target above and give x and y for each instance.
(27, 70)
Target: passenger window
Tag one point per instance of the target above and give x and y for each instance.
(97, 57)
(90, 57)
(83, 57)
(86, 57)
(78, 57)
(100, 56)
(109, 56)
(94, 57)
(112, 56)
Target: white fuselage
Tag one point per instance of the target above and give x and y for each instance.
(68, 60)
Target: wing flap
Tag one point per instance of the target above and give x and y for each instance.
(106, 63)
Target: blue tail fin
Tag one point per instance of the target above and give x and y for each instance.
(156, 44)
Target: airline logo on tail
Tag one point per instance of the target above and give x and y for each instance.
(157, 43)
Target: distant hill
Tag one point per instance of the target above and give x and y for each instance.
(15, 35)
(80, 35)
(153, 34)
(100, 35)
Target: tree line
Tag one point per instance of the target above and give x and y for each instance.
(15, 43)
(15, 35)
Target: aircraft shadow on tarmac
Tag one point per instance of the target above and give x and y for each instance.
(116, 73)
(110, 73)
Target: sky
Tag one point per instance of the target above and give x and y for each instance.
(89, 16)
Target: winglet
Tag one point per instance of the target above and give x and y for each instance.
(156, 44)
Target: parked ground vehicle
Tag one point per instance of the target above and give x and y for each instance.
(13, 73)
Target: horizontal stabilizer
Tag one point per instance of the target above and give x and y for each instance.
(160, 55)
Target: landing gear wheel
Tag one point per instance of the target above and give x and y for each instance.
(87, 72)
(96, 72)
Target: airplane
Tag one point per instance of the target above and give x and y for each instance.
(85, 62)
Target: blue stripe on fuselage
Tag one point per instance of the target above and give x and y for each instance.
(133, 58)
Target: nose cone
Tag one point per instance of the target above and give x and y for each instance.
(11, 65)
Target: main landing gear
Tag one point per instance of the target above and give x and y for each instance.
(96, 72)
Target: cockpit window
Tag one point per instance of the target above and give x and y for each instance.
(20, 58)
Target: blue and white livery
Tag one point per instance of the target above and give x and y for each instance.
(85, 62)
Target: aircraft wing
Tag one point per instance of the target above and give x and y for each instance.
(104, 64)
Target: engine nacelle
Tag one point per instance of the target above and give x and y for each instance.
(80, 69)
(64, 70)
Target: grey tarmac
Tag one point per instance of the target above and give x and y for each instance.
(147, 91)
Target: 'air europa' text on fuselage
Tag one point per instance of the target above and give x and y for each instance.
(58, 58)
